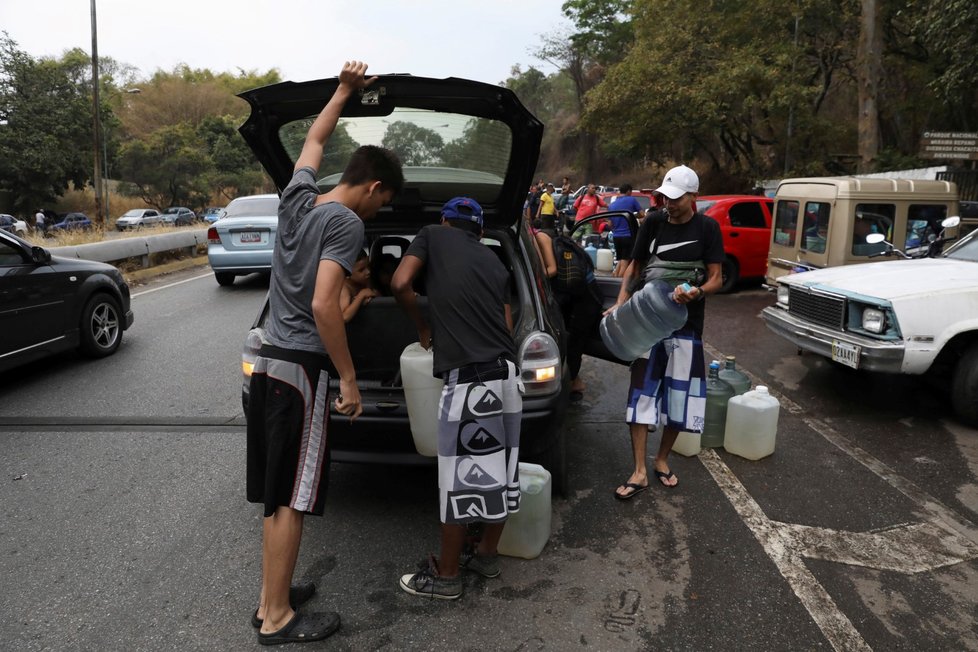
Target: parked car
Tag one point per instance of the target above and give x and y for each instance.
(53, 304)
(11, 224)
(179, 216)
(72, 222)
(212, 214)
(492, 143)
(917, 316)
(138, 218)
(745, 223)
(241, 242)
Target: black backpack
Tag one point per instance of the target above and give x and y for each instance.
(574, 267)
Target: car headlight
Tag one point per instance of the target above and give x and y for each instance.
(783, 293)
(874, 320)
(540, 364)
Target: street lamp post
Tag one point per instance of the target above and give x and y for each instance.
(96, 125)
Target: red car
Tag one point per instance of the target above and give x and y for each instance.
(745, 222)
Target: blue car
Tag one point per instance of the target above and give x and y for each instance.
(212, 214)
(72, 222)
(241, 242)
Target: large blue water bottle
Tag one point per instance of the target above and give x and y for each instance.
(643, 321)
(592, 251)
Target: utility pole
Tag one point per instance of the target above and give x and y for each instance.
(870, 62)
(96, 126)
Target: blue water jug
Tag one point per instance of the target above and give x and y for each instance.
(643, 321)
(592, 251)
(718, 393)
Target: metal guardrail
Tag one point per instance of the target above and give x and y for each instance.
(111, 251)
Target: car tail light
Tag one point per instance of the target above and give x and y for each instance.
(540, 365)
(249, 353)
(212, 237)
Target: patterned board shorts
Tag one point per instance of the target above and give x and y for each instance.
(479, 417)
(668, 386)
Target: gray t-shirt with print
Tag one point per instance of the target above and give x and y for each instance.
(307, 234)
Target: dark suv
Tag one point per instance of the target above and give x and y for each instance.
(455, 137)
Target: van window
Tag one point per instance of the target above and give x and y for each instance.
(816, 226)
(923, 221)
(747, 214)
(786, 223)
(872, 218)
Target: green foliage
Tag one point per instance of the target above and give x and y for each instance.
(45, 126)
(603, 28)
(476, 148)
(414, 145)
(169, 168)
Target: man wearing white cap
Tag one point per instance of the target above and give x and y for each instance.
(668, 385)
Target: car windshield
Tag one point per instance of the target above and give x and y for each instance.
(966, 249)
(262, 207)
(136, 212)
(703, 205)
(437, 147)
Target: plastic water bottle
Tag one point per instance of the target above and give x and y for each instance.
(643, 321)
(737, 378)
(718, 392)
(592, 251)
(422, 392)
(528, 530)
(606, 260)
(752, 424)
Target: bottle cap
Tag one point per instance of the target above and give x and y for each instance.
(762, 389)
(715, 364)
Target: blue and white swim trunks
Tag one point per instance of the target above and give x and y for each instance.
(668, 385)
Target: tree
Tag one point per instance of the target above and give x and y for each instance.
(234, 170)
(415, 145)
(45, 127)
(475, 148)
(169, 168)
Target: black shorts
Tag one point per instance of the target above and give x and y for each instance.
(623, 248)
(288, 414)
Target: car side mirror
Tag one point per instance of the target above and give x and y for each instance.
(40, 255)
(875, 238)
(950, 222)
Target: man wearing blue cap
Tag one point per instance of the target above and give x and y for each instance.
(480, 409)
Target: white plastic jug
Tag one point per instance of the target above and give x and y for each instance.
(422, 391)
(527, 531)
(606, 260)
(687, 443)
(752, 424)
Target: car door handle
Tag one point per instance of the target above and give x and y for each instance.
(734, 234)
(387, 407)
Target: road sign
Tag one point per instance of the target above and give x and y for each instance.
(949, 145)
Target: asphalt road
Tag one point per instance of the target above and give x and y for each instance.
(124, 524)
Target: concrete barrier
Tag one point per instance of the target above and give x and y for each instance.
(111, 251)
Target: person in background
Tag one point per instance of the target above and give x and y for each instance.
(587, 205)
(668, 386)
(319, 236)
(480, 409)
(39, 222)
(547, 213)
(560, 205)
(624, 229)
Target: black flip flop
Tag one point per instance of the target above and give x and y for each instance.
(299, 594)
(665, 476)
(636, 489)
(303, 628)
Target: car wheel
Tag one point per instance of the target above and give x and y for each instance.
(730, 272)
(964, 387)
(554, 459)
(224, 278)
(101, 326)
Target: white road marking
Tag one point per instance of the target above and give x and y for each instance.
(944, 539)
(170, 285)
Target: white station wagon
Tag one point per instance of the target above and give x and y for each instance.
(903, 316)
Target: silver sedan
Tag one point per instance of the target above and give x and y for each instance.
(241, 242)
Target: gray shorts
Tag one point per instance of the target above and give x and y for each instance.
(479, 418)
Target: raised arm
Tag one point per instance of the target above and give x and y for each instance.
(351, 79)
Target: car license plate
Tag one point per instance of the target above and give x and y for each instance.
(845, 353)
(248, 237)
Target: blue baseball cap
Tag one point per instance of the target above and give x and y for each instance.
(462, 208)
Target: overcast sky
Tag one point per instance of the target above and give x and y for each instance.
(304, 39)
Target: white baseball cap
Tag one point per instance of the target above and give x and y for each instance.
(678, 181)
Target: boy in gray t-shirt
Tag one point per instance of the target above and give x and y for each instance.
(288, 457)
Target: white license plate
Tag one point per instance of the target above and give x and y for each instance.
(845, 353)
(248, 237)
